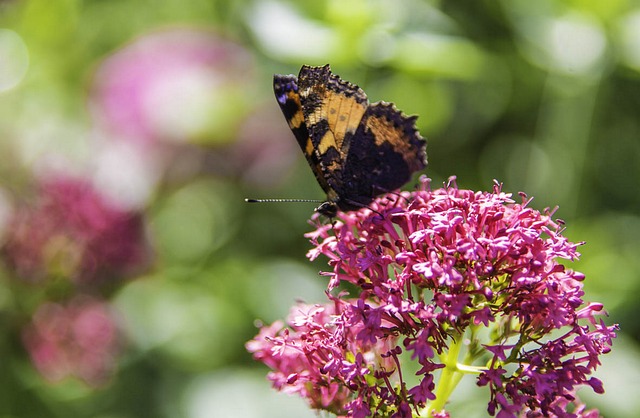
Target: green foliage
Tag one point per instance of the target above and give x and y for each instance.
(543, 96)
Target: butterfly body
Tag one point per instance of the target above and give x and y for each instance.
(356, 150)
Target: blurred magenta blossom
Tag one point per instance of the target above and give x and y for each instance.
(176, 84)
(78, 339)
(448, 282)
(68, 229)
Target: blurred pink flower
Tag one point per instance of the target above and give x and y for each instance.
(79, 340)
(71, 230)
(177, 84)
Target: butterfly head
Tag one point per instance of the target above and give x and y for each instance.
(328, 209)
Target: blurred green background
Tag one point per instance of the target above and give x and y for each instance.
(158, 118)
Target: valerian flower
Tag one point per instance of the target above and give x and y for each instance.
(69, 229)
(77, 339)
(172, 85)
(454, 282)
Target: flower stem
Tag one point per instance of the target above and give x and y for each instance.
(449, 378)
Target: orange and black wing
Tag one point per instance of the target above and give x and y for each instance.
(332, 109)
(385, 151)
(285, 88)
(363, 149)
(356, 150)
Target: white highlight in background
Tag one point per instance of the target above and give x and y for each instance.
(14, 59)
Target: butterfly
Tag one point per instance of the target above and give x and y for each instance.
(356, 149)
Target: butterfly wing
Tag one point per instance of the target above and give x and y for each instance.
(333, 109)
(384, 153)
(287, 94)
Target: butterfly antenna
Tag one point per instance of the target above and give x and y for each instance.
(283, 200)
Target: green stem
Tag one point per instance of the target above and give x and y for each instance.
(449, 378)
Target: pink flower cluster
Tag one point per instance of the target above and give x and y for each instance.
(77, 339)
(318, 367)
(153, 89)
(68, 230)
(463, 282)
(71, 230)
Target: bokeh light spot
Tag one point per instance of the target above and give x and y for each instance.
(14, 59)
(193, 222)
(292, 36)
(629, 34)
